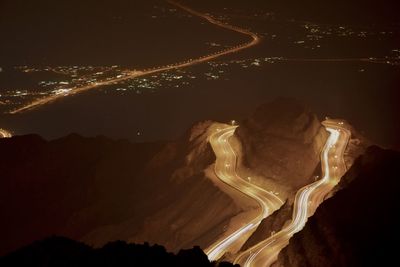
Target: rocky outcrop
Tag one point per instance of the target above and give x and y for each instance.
(358, 226)
(270, 225)
(282, 142)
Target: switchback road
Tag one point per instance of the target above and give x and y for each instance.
(225, 170)
(307, 198)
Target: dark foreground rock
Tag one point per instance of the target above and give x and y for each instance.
(61, 251)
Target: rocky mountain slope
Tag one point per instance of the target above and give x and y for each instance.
(98, 190)
(358, 226)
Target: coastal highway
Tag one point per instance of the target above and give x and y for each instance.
(225, 170)
(307, 198)
(5, 134)
(131, 74)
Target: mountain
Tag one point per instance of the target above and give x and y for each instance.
(358, 226)
(60, 251)
(281, 142)
(97, 190)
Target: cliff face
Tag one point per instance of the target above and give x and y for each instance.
(282, 142)
(98, 190)
(358, 226)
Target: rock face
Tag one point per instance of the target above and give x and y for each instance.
(282, 141)
(358, 226)
(98, 190)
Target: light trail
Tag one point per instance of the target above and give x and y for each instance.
(135, 73)
(5, 134)
(307, 199)
(225, 170)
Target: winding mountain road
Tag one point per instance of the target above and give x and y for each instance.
(225, 170)
(254, 40)
(307, 198)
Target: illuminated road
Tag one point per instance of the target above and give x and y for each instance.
(307, 198)
(225, 169)
(5, 134)
(135, 73)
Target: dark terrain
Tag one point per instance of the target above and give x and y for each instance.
(98, 190)
(60, 251)
(358, 226)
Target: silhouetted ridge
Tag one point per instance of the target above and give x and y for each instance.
(61, 251)
(97, 190)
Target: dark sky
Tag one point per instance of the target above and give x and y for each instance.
(92, 32)
(78, 32)
(103, 32)
(339, 11)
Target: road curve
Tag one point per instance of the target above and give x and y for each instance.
(307, 198)
(130, 74)
(225, 170)
(5, 134)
